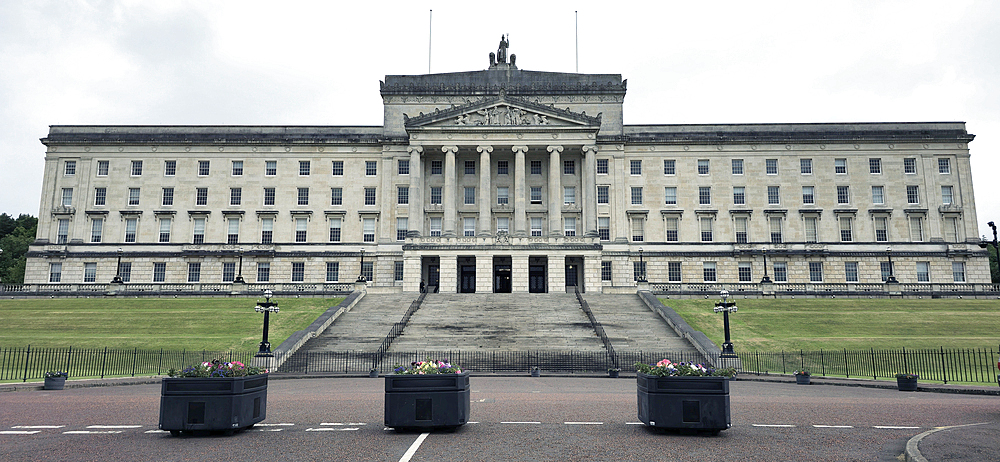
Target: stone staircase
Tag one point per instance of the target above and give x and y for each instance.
(365, 326)
(513, 322)
(631, 325)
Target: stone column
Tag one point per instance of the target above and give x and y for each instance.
(386, 227)
(485, 194)
(555, 192)
(484, 273)
(589, 191)
(519, 273)
(450, 180)
(557, 274)
(416, 220)
(520, 193)
(448, 274)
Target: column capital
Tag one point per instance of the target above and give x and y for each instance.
(521, 149)
(486, 148)
(451, 149)
(415, 149)
(589, 149)
(555, 148)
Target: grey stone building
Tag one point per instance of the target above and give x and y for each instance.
(508, 180)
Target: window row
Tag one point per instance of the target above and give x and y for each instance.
(780, 271)
(229, 272)
(737, 166)
(773, 195)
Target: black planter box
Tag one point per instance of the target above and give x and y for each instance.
(905, 384)
(802, 379)
(54, 383)
(684, 403)
(212, 404)
(426, 401)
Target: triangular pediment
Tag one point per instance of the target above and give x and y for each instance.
(502, 111)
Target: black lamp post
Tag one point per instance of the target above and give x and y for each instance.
(642, 267)
(118, 270)
(239, 275)
(361, 271)
(765, 278)
(891, 279)
(725, 308)
(267, 307)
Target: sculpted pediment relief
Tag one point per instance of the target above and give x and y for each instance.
(501, 111)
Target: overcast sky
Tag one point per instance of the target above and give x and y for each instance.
(319, 63)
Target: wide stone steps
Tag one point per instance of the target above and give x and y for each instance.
(631, 325)
(365, 326)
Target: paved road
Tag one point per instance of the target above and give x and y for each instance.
(516, 418)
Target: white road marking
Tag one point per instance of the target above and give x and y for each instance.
(265, 429)
(774, 425)
(38, 426)
(19, 432)
(413, 448)
(350, 424)
(893, 427)
(328, 429)
(633, 423)
(833, 426)
(528, 423)
(85, 432)
(275, 424)
(583, 423)
(114, 426)
(156, 431)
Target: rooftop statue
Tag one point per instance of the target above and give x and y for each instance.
(500, 57)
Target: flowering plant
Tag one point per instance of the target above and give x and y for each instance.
(802, 372)
(907, 375)
(56, 374)
(667, 368)
(428, 366)
(217, 368)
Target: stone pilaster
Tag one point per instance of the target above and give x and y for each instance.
(555, 192)
(449, 274)
(450, 180)
(589, 191)
(416, 219)
(520, 196)
(557, 274)
(519, 273)
(485, 195)
(484, 273)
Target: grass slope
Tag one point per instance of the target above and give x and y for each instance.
(813, 324)
(215, 324)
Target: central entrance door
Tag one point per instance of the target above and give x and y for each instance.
(501, 279)
(570, 278)
(468, 279)
(536, 279)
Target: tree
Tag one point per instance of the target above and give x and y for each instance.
(15, 237)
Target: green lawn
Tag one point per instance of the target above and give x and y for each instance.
(214, 324)
(813, 324)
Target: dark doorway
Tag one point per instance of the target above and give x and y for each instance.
(468, 279)
(433, 278)
(501, 279)
(536, 279)
(570, 277)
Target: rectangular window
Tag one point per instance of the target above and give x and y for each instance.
(536, 194)
(435, 226)
(125, 269)
(875, 166)
(201, 196)
(96, 229)
(569, 195)
(403, 167)
(569, 226)
(169, 167)
(536, 167)
(401, 228)
(912, 196)
(669, 167)
(336, 196)
(670, 225)
(708, 271)
(569, 167)
(503, 225)
(638, 234)
(843, 194)
(298, 271)
(703, 166)
(371, 168)
(165, 229)
(811, 229)
(958, 271)
(168, 197)
(604, 228)
(436, 195)
(886, 270)
(846, 229)
(268, 196)
(103, 167)
(808, 194)
(741, 230)
(806, 166)
(233, 236)
(303, 196)
(739, 195)
(369, 196)
(235, 196)
(90, 272)
(159, 272)
(674, 271)
(815, 271)
(851, 271)
(670, 195)
(910, 165)
(335, 225)
(878, 194)
(136, 168)
(301, 229)
(771, 166)
(503, 195)
(62, 232)
(503, 167)
(402, 195)
(744, 270)
(536, 226)
(470, 195)
(947, 195)
(469, 226)
(67, 197)
(881, 229)
(133, 196)
(337, 168)
(602, 166)
(332, 271)
(706, 229)
(194, 272)
(368, 271)
(470, 167)
(69, 168)
(228, 271)
(603, 193)
(923, 271)
(203, 167)
(916, 229)
(840, 166)
(199, 231)
(100, 196)
(635, 167)
(737, 166)
(605, 270)
(775, 224)
(55, 272)
(266, 230)
(270, 168)
(951, 229)
(705, 195)
(436, 167)
(638, 270)
(780, 271)
(773, 195)
(237, 168)
(944, 165)
(263, 272)
(368, 230)
(305, 167)
(636, 195)
(397, 272)
(130, 229)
